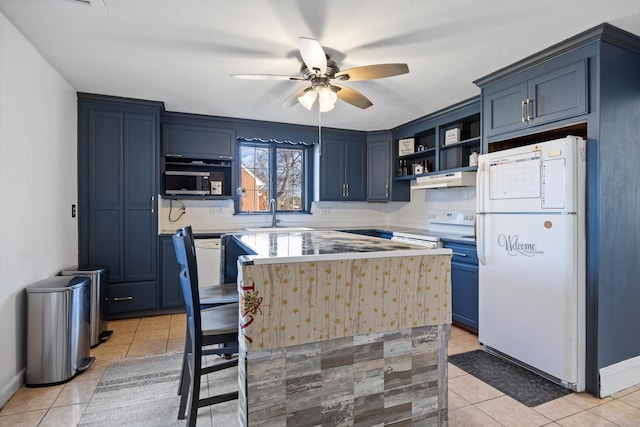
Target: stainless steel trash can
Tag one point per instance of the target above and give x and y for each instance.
(98, 276)
(57, 329)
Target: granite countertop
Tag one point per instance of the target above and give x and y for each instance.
(290, 246)
(216, 233)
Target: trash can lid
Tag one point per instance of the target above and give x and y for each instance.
(58, 284)
(85, 269)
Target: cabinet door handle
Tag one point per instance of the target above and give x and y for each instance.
(459, 254)
(529, 109)
(153, 199)
(387, 190)
(115, 299)
(522, 113)
(347, 192)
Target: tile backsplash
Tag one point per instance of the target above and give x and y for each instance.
(219, 215)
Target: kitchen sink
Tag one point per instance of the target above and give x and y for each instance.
(278, 228)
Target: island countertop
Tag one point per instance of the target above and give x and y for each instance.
(323, 245)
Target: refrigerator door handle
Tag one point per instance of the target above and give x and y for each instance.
(480, 187)
(480, 191)
(480, 238)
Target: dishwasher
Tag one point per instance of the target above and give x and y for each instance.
(208, 254)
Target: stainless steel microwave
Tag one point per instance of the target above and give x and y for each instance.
(194, 183)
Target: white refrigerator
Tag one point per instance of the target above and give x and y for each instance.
(531, 248)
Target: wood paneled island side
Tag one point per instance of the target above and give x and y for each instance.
(342, 329)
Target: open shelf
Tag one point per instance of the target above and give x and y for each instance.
(431, 152)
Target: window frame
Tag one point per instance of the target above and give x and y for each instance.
(307, 173)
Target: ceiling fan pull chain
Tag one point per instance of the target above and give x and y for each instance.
(319, 130)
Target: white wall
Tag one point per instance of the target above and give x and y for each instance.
(38, 184)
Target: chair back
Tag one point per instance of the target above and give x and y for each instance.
(189, 284)
(190, 242)
(190, 246)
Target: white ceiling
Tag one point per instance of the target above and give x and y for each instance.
(183, 51)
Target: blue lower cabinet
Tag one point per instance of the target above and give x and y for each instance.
(464, 285)
(131, 297)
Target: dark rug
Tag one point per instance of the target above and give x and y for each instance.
(513, 380)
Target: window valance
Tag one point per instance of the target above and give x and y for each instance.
(271, 141)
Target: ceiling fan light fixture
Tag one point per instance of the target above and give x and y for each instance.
(308, 99)
(327, 99)
(326, 108)
(319, 70)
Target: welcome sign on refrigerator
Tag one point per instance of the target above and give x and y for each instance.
(531, 248)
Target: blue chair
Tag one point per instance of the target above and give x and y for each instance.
(216, 326)
(215, 294)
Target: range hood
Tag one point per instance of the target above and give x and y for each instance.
(444, 180)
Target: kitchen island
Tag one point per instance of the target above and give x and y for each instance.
(342, 329)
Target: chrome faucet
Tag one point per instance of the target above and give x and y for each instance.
(272, 209)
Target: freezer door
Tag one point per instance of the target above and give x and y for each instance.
(545, 177)
(530, 298)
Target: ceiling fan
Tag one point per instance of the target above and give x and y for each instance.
(321, 71)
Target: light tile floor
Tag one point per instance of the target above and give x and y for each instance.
(471, 401)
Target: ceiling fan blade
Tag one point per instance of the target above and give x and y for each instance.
(352, 97)
(265, 77)
(313, 54)
(293, 99)
(370, 72)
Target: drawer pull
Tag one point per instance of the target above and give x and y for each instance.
(459, 254)
(122, 299)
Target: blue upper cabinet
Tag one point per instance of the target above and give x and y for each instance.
(203, 144)
(343, 168)
(504, 109)
(545, 94)
(380, 185)
(379, 173)
(198, 141)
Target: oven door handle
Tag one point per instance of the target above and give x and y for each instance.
(429, 244)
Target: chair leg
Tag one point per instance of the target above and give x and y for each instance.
(187, 346)
(186, 375)
(186, 378)
(196, 364)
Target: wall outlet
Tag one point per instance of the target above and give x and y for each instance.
(215, 211)
(73, 211)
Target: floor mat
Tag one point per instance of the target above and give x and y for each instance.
(140, 392)
(513, 380)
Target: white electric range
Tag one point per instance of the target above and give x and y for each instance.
(441, 224)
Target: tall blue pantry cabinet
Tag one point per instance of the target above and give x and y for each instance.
(118, 141)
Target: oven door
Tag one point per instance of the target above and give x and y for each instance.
(427, 243)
